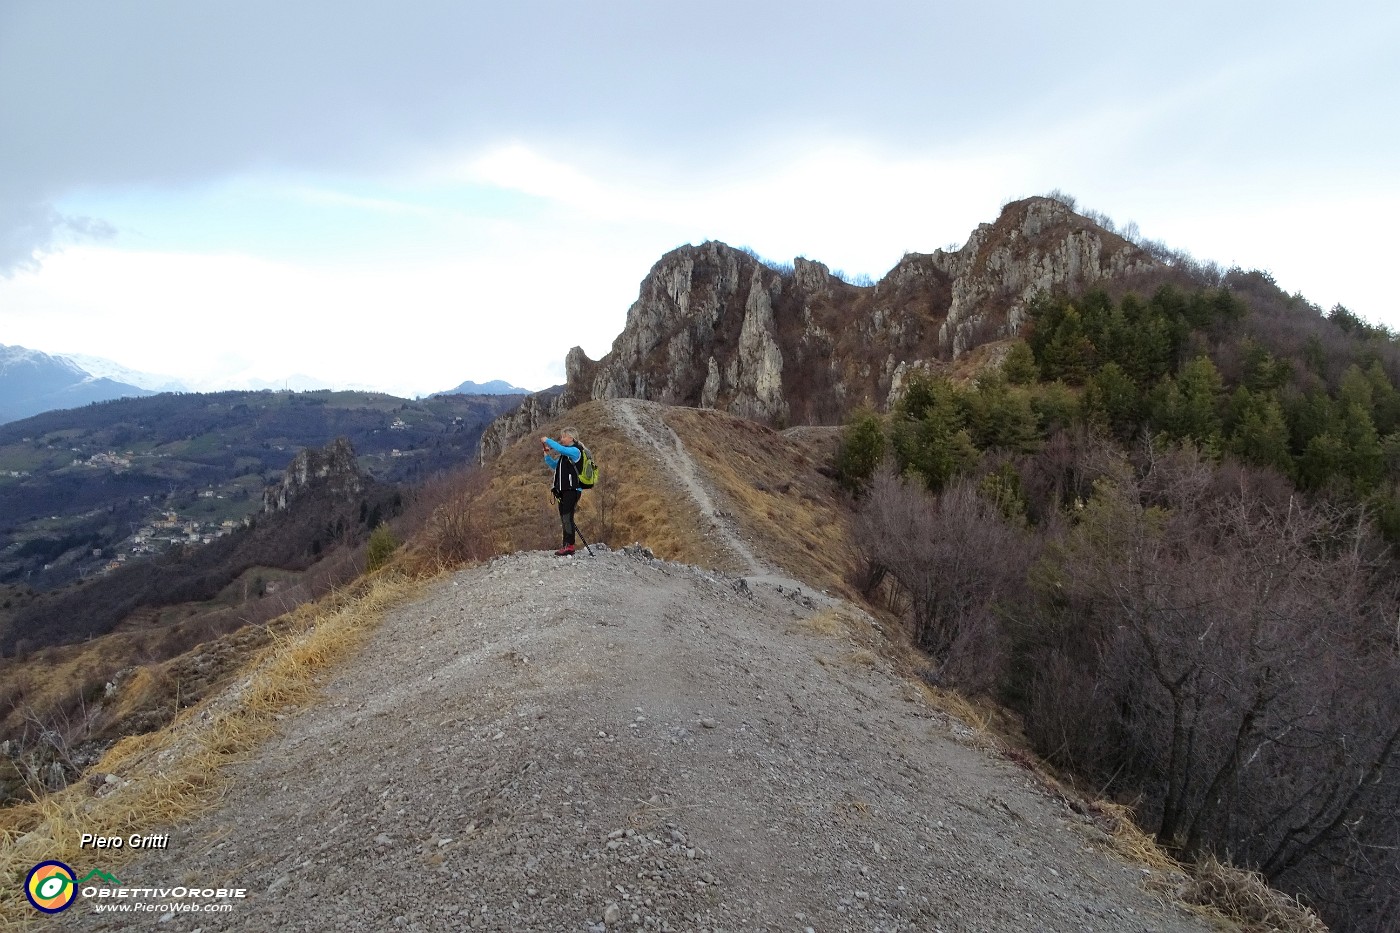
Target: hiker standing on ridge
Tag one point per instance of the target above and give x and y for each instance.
(564, 462)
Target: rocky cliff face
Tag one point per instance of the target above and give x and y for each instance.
(1037, 245)
(715, 327)
(332, 468)
(524, 420)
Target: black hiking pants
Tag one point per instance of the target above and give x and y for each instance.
(568, 500)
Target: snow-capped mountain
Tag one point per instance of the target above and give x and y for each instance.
(32, 382)
(101, 368)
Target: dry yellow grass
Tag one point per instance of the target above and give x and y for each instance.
(828, 622)
(772, 489)
(976, 716)
(1128, 838)
(48, 677)
(1245, 898)
(42, 688)
(770, 484)
(862, 657)
(634, 500)
(170, 774)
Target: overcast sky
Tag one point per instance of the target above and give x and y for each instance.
(408, 194)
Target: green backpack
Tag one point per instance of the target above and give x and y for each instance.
(587, 468)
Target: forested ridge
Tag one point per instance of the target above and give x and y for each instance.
(1164, 534)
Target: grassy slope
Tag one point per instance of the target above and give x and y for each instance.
(634, 500)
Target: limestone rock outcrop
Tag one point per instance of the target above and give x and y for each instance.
(1037, 245)
(331, 468)
(716, 327)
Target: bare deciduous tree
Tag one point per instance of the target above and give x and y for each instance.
(954, 559)
(1195, 637)
(1250, 674)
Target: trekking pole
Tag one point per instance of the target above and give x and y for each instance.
(586, 546)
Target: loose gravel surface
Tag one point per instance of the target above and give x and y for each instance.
(619, 743)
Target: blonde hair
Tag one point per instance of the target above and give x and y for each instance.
(569, 432)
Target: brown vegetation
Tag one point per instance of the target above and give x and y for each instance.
(509, 503)
(181, 626)
(1193, 638)
(294, 539)
(773, 485)
(1003, 608)
(769, 483)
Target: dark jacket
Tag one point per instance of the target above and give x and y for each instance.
(565, 466)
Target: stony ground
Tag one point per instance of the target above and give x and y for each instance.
(615, 742)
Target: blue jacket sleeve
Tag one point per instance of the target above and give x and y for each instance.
(551, 461)
(570, 452)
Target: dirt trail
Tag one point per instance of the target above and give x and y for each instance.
(644, 423)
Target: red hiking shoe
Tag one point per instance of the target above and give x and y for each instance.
(565, 551)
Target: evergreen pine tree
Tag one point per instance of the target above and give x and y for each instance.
(1257, 432)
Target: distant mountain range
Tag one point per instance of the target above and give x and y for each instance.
(494, 387)
(32, 382)
(157, 382)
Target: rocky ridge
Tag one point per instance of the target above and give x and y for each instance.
(534, 410)
(716, 327)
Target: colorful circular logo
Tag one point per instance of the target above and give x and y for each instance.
(50, 887)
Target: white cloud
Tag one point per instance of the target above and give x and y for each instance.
(225, 319)
(842, 203)
(1334, 250)
(323, 195)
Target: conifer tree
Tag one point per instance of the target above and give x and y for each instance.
(862, 448)
(1000, 417)
(1364, 461)
(1257, 432)
(1201, 386)
(1019, 367)
(1111, 400)
(1385, 400)
(1069, 354)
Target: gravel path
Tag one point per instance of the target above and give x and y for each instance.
(616, 742)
